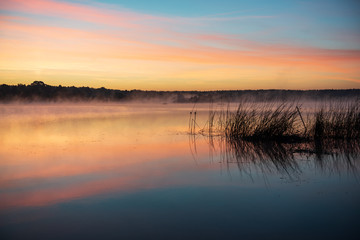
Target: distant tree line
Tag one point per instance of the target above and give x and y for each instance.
(38, 91)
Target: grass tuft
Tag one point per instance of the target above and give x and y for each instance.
(284, 122)
(341, 122)
(267, 123)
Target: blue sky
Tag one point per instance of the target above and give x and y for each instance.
(315, 22)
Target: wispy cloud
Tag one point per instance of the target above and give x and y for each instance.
(119, 34)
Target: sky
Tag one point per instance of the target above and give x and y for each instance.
(181, 45)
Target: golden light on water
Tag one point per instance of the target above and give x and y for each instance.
(100, 149)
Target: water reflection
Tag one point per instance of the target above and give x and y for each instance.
(55, 153)
(131, 171)
(330, 156)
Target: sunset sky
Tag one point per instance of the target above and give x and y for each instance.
(181, 45)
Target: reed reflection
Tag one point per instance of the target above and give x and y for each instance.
(275, 157)
(336, 156)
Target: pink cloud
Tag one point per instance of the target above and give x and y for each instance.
(143, 32)
(147, 37)
(74, 11)
(192, 49)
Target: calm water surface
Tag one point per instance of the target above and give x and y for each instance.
(131, 171)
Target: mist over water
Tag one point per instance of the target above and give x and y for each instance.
(133, 171)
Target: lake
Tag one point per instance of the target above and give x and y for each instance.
(132, 171)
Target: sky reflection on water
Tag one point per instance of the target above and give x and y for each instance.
(131, 171)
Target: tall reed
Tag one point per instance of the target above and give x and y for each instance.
(270, 122)
(339, 122)
(284, 122)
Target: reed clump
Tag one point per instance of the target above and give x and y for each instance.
(279, 123)
(340, 122)
(285, 122)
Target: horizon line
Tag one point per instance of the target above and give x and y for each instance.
(214, 90)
